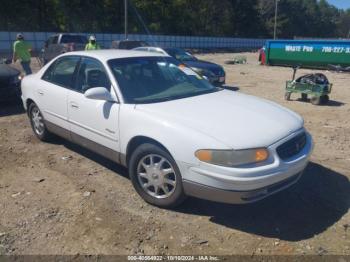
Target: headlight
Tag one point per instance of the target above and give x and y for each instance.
(231, 158)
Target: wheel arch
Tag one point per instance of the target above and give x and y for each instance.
(29, 101)
(139, 140)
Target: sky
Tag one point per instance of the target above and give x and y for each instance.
(345, 4)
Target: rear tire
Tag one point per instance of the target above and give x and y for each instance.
(37, 123)
(156, 177)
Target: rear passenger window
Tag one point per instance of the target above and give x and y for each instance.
(91, 74)
(62, 71)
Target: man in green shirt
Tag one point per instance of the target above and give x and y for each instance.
(21, 51)
(92, 45)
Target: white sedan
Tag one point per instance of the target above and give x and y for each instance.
(177, 134)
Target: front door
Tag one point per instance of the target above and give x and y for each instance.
(93, 123)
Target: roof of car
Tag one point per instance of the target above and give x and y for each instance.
(149, 47)
(108, 54)
(172, 48)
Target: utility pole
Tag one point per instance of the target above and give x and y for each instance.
(126, 18)
(276, 13)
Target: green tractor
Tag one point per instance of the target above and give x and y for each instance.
(315, 85)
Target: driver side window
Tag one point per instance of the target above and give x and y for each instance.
(91, 74)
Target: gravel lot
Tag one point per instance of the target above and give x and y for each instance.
(57, 198)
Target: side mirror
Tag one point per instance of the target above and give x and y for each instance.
(99, 93)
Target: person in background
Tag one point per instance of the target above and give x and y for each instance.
(21, 51)
(92, 45)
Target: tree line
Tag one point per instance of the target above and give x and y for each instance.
(229, 18)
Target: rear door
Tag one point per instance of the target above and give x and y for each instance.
(53, 92)
(93, 123)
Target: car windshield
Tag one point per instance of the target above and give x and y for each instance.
(157, 79)
(73, 39)
(180, 54)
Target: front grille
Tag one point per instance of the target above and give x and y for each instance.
(292, 147)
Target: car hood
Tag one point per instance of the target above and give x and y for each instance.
(7, 71)
(202, 65)
(239, 121)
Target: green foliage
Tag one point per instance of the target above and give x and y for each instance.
(231, 18)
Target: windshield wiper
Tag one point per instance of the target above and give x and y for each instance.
(170, 98)
(174, 97)
(154, 100)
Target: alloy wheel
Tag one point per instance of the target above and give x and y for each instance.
(156, 176)
(37, 120)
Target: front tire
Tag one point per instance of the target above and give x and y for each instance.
(37, 123)
(155, 176)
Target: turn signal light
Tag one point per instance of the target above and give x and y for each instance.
(261, 155)
(204, 155)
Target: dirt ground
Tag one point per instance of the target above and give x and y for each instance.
(57, 198)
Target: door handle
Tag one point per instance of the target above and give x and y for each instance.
(41, 92)
(74, 105)
(110, 131)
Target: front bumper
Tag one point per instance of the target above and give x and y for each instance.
(236, 197)
(247, 184)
